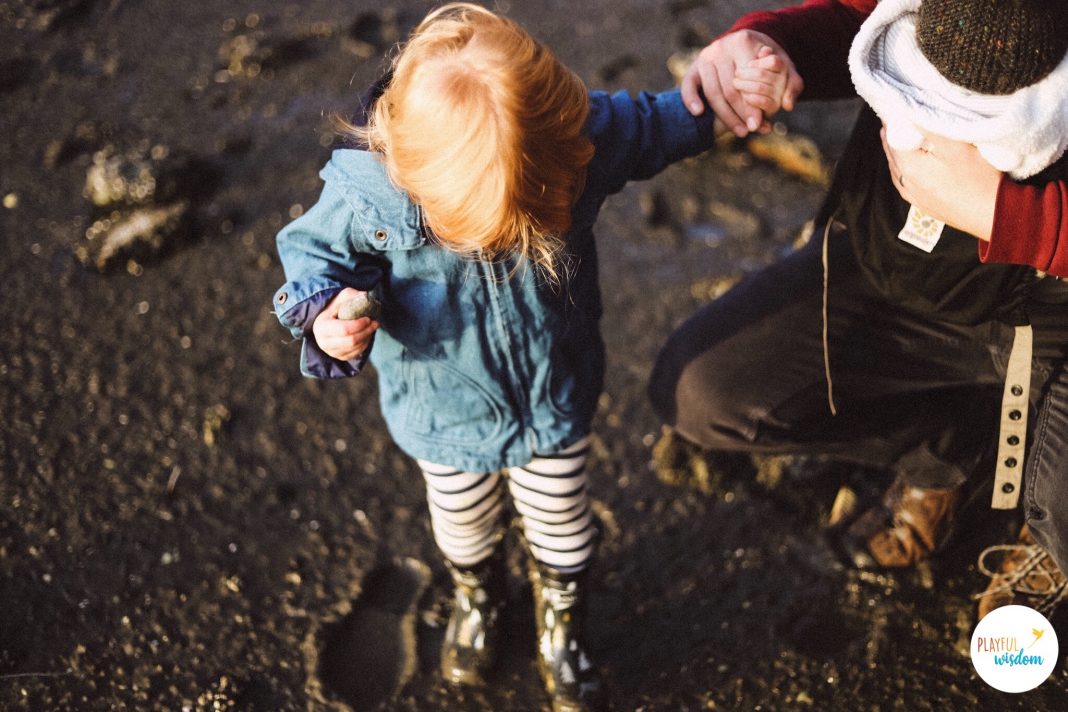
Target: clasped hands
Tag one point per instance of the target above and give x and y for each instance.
(746, 78)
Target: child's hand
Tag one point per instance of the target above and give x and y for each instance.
(764, 82)
(338, 338)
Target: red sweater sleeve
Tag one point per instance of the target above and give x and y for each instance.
(1030, 226)
(816, 35)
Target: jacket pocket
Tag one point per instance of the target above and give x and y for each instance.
(446, 405)
(575, 371)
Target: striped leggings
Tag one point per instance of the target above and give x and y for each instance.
(549, 493)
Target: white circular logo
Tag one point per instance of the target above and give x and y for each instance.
(1014, 648)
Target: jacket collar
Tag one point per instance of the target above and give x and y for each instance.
(385, 215)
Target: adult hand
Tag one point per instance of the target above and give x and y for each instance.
(713, 74)
(949, 180)
(343, 339)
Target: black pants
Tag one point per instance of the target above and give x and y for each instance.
(915, 395)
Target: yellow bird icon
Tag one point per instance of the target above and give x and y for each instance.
(1038, 633)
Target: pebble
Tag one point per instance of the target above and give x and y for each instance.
(116, 178)
(111, 239)
(142, 196)
(707, 233)
(797, 155)
(361, 305)
(737, 221)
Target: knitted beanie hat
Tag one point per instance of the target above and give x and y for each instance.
(994, 73)
(993, 46)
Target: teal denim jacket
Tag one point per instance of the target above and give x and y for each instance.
(480, 364)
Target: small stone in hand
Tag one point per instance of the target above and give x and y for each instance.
(360, 305)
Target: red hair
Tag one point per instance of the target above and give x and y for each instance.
(482, 126)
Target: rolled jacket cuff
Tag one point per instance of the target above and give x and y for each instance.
(315, 363)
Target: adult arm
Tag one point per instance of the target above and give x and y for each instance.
(1030, 226)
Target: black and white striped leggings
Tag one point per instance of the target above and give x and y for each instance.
(549, 493)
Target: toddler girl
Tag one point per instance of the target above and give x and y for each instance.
(469, 208)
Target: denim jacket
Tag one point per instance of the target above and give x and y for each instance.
(480, 363)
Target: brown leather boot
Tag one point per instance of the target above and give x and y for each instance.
(909, 524)
(1023, 574)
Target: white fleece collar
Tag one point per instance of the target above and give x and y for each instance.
(1020, 133)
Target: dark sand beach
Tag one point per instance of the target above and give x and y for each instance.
(188, 524)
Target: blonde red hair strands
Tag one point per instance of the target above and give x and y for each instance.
(482, 126)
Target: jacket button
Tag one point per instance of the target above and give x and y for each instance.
(1015, 415)
(1010, 462)
(282, 298)
(1013, 440)
(1008, 488)
(380, 234)
(1017, 390)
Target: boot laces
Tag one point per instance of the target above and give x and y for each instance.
(1037, 576)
